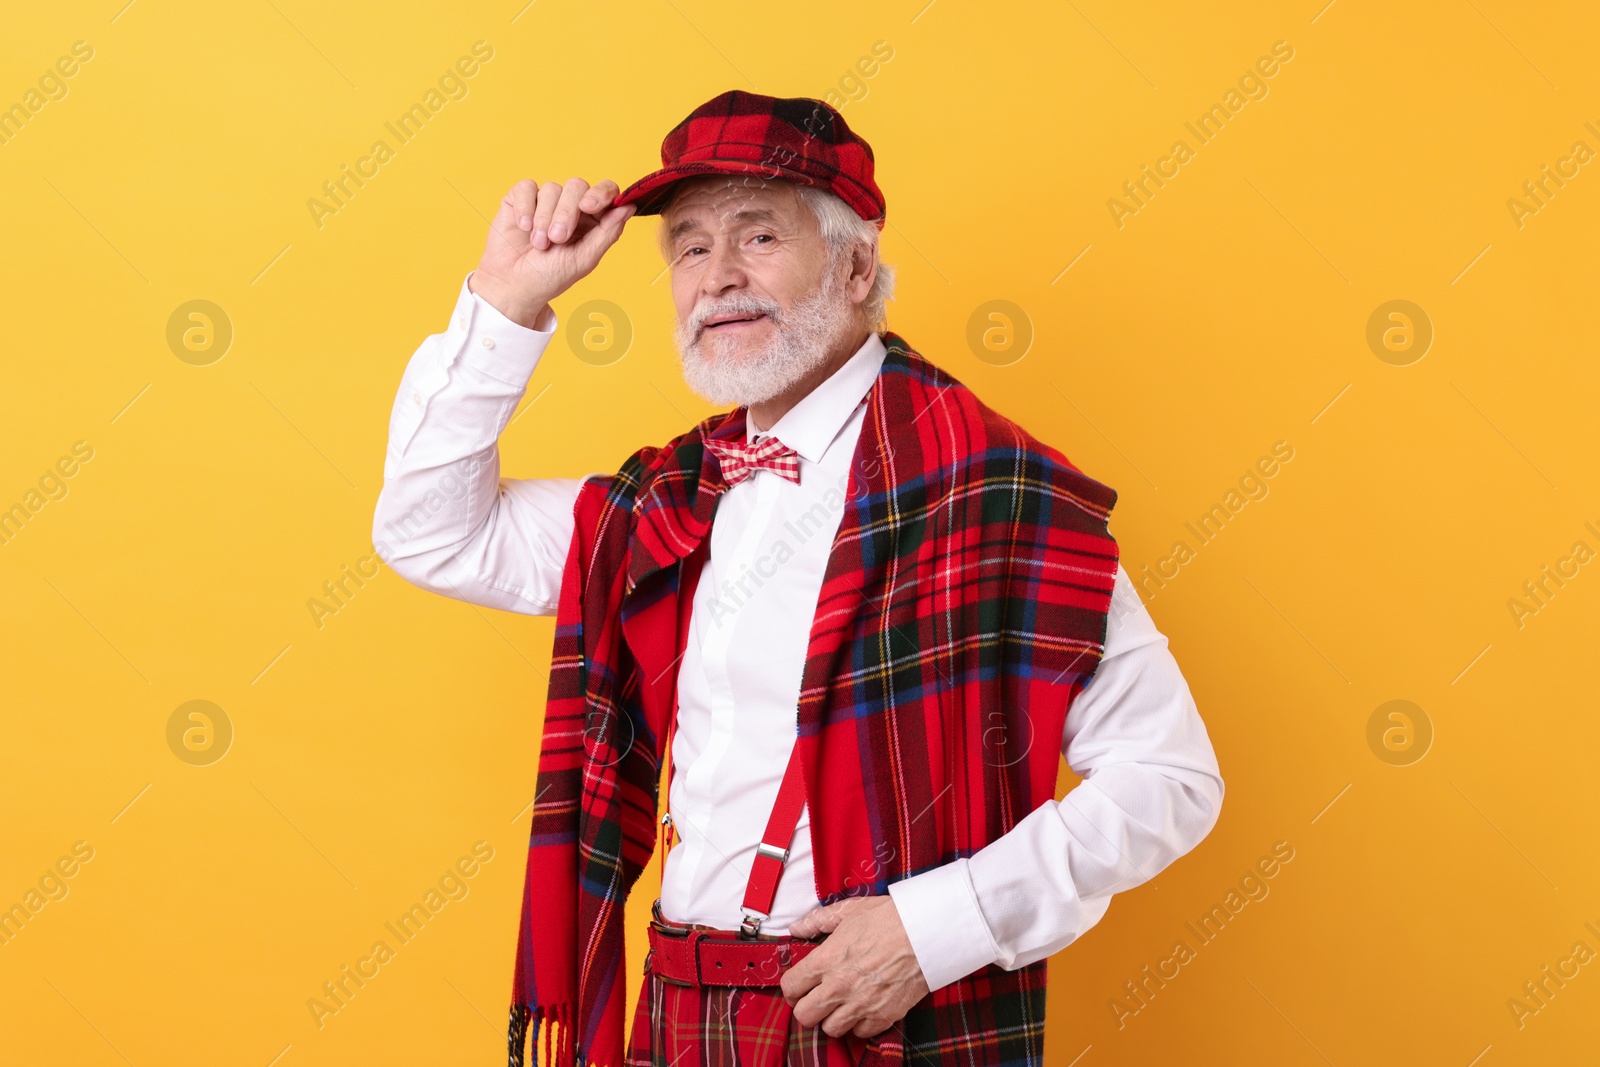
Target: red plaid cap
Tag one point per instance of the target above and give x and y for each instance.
(795, 139)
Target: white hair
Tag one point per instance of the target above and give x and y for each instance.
(842, 229)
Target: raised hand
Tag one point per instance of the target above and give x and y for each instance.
(543, 240)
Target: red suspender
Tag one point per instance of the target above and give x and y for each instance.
(773, 851)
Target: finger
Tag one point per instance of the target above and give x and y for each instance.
(598, 198)
(843, 1020)
(505, 235)
(592, 207)
(867, 1026)
(806, 925)
(565, 221)
(520, 201)
(608, 229)
(549, 197)
(804, 976)
(828, 1005)
(824, 920)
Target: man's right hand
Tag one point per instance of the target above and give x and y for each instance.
(543, 240)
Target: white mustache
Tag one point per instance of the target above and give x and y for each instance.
(744, 304)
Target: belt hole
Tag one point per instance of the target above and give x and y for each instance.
(719, 963)
(750, 963)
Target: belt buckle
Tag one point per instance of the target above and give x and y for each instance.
(662, 925)
(662, 928)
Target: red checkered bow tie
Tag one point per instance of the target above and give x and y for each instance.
(740, 460)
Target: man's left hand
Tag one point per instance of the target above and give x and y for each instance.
(863, 978)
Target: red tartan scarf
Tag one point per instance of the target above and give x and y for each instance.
(962, 609)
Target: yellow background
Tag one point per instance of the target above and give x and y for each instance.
(1226, 315)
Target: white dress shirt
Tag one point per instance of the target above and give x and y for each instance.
(447, 522)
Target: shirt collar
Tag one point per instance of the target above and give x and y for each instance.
(811, 425)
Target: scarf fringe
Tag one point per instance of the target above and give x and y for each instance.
(558, 1032)
(517, 1034)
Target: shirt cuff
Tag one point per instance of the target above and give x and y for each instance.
(940, 913)
(491, 343)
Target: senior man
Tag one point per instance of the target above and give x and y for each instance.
(911, 611)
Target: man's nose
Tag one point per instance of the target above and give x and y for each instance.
(724, 271)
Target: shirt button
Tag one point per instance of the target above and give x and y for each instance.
(488, 342)
(416, 398)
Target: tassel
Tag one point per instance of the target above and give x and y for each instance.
(560, 1035)
(517, 1034)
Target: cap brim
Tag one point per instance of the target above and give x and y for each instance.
(652, 192)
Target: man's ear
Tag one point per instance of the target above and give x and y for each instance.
(863, 269)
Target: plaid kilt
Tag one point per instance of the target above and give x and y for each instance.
(726, 1026)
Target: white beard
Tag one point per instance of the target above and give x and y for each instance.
(803, 340)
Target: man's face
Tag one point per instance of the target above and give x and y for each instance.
(760, 301)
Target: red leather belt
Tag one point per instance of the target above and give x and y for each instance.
(692, 957)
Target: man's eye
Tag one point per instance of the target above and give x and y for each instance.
(767, 236)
